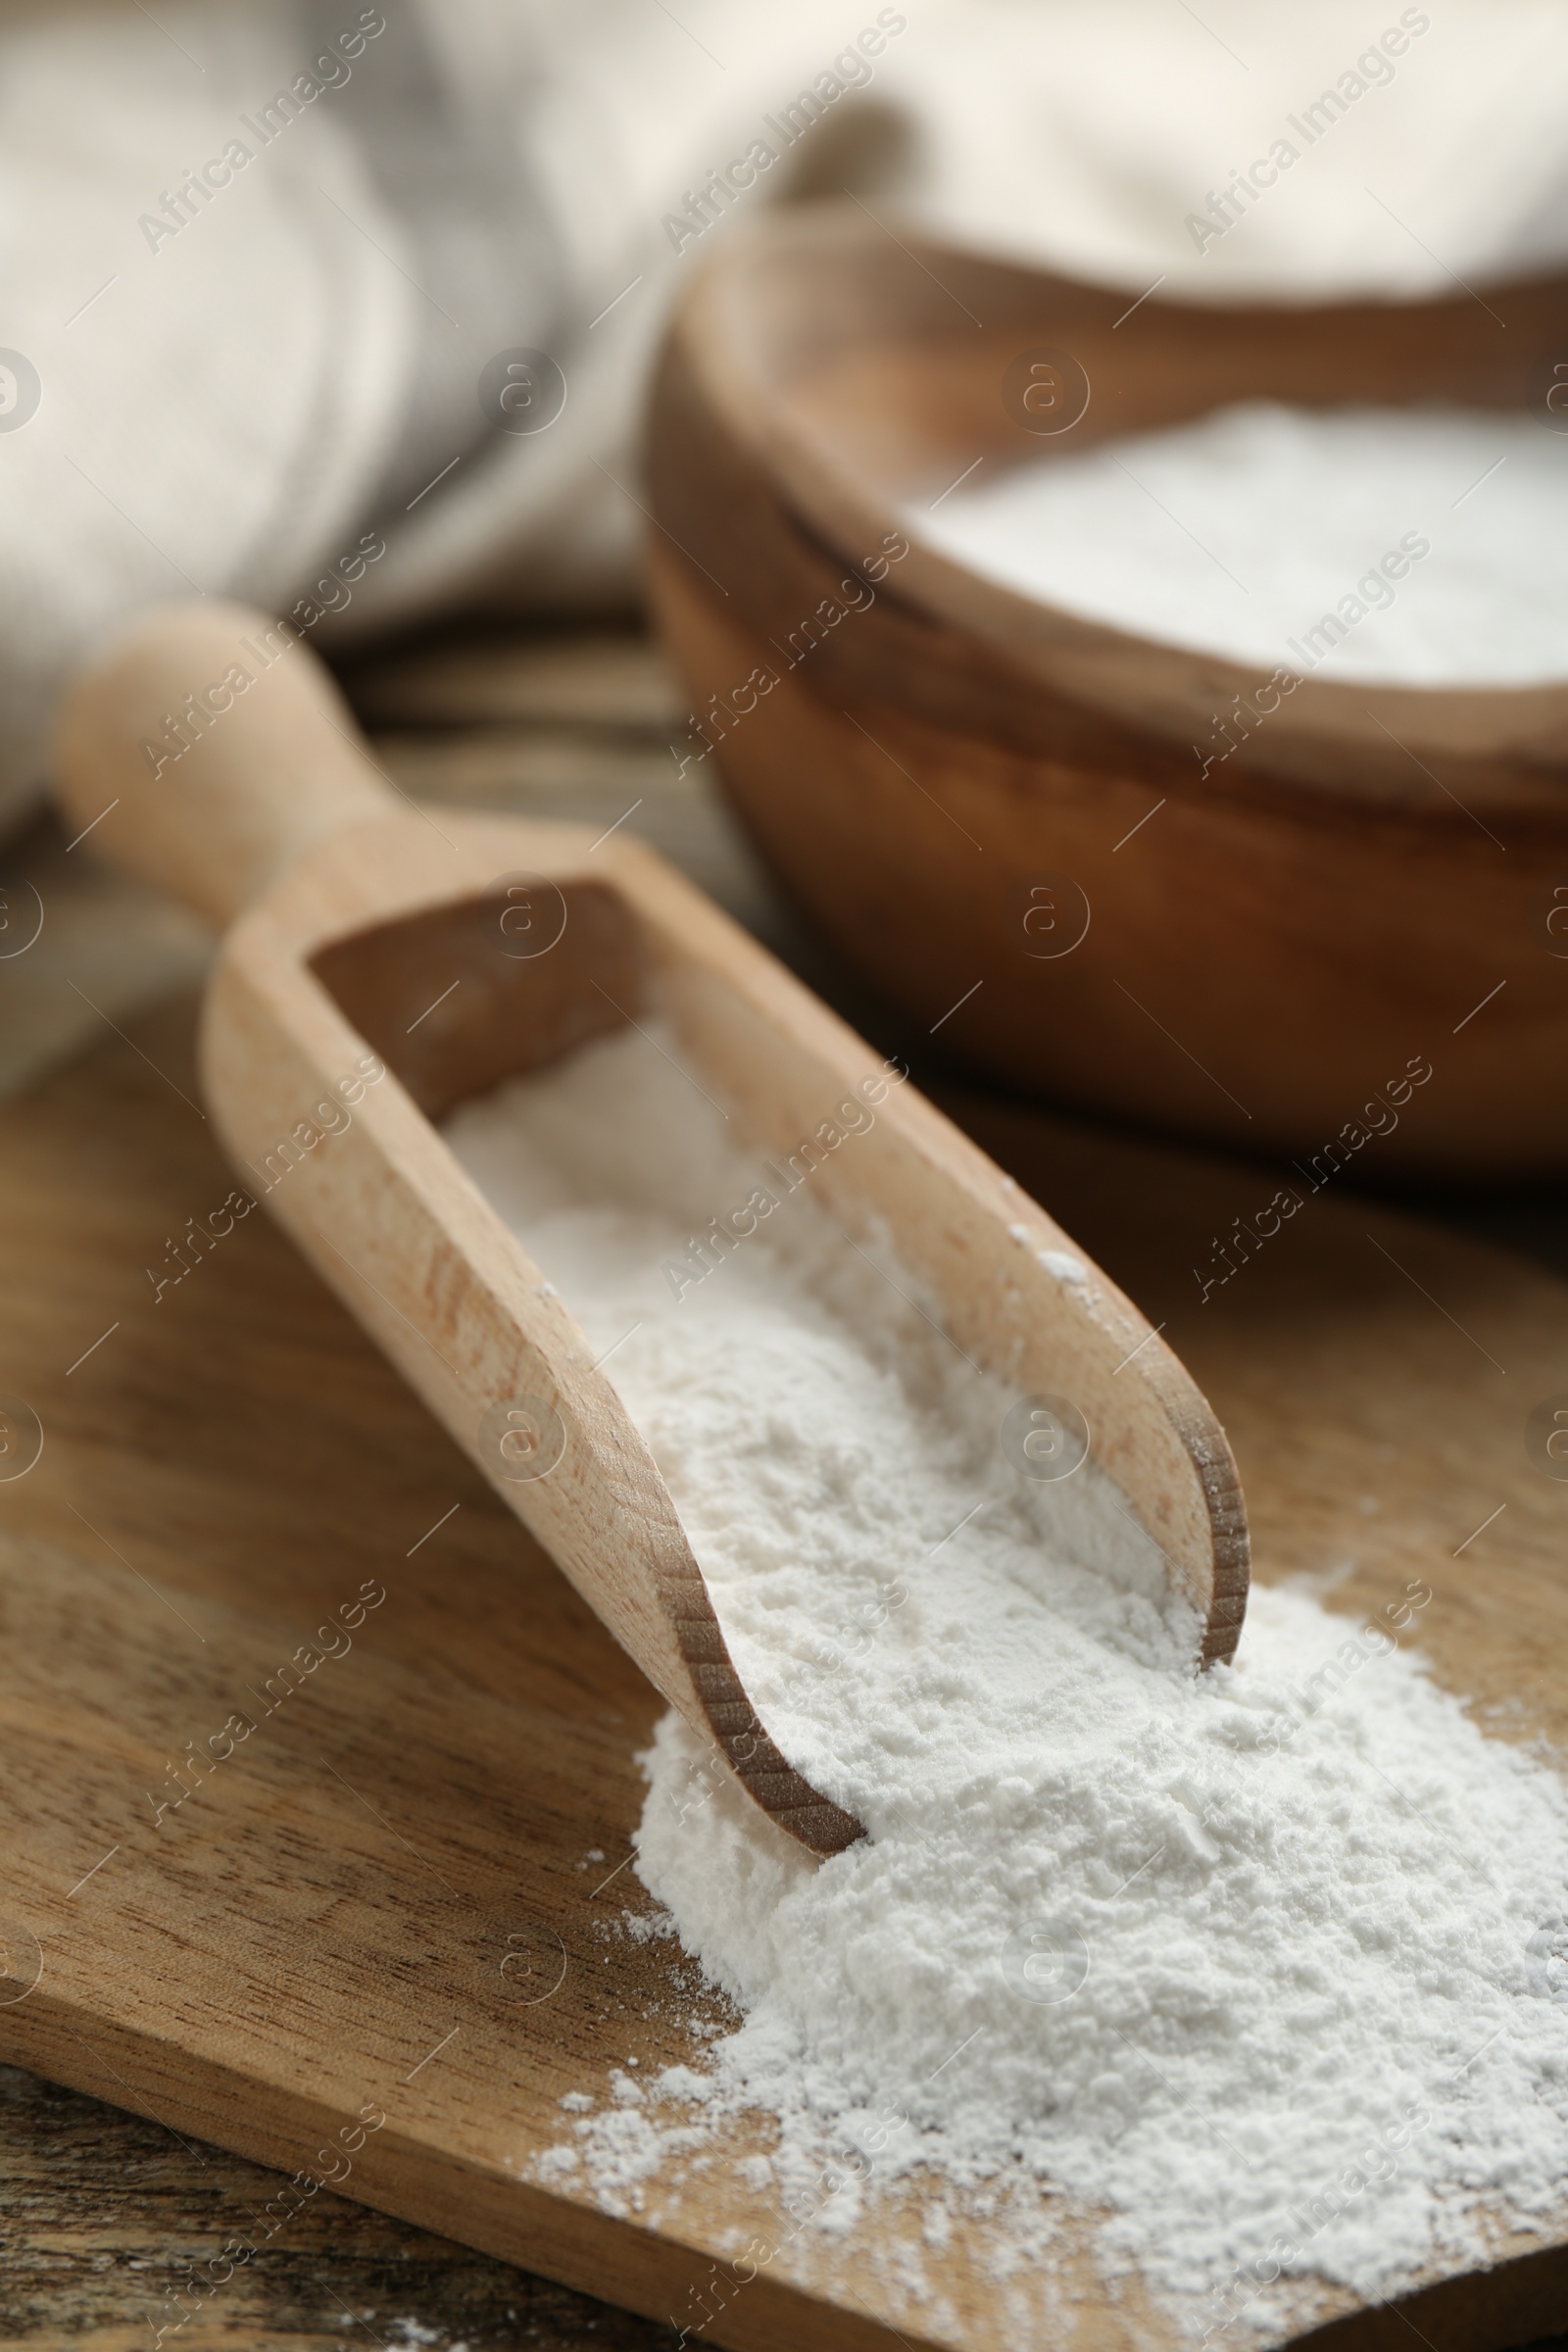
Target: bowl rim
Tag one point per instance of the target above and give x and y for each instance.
(726, 340)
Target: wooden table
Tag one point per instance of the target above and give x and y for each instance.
(103, 2209)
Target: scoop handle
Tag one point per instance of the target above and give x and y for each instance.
(204, 749)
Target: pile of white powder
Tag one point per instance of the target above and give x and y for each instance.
(1259, 1970)
(1433, 542)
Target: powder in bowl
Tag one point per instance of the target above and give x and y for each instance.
(1421, 547)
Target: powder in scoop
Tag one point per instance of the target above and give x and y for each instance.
(1262, 1966)
(1422, 547)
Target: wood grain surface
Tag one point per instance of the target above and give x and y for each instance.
(322, 1929)
(242, 1449)
(104, 2211)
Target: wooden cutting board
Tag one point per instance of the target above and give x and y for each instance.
(388, 1924)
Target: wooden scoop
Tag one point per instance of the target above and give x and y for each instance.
(212, 755)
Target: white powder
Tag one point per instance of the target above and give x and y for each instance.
(1263, 1969)
(1240, 533)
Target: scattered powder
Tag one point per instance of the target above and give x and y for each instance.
(1246, 532)
(1064, 1266)
(1264, 1971)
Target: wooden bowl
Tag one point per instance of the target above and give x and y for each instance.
(945, 774)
